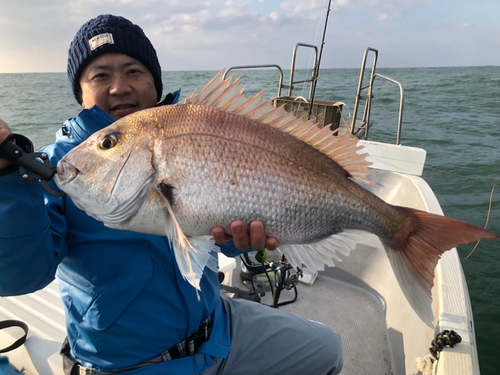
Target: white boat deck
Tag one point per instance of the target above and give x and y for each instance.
(44, 314)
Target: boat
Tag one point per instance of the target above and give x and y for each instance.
(359, 298)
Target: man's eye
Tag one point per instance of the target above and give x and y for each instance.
(99, 76)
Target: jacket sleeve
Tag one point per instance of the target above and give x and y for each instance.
(31, 243)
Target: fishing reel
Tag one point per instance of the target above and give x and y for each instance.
(280, 275)
(19, 150)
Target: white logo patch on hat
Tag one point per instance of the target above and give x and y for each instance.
(99, 40)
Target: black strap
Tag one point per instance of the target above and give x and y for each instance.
(185, 348)
(14, 323)
(70, 365)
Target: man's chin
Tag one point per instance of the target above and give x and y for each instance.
(117, 114)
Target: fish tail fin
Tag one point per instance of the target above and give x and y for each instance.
(415, 257)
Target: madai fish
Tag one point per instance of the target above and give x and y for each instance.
(182, 170)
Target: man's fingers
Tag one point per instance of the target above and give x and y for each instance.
(271, 243)
(240, 235)
(4, 125)
(257, 236)
(220, 236)
(4, 132)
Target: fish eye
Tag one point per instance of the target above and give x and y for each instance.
(107, 143)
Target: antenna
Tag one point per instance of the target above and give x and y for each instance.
(316, 73)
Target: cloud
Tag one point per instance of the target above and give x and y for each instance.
(228, 35)
(300, 6)
(210, 34)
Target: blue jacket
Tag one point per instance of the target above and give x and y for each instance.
(125, 298)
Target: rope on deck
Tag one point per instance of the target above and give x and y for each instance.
(443, 339)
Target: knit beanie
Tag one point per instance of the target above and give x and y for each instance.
(108, 33)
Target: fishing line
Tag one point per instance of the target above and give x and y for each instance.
(312, 53)
(487, 220)
(337, 104)
(491, 198)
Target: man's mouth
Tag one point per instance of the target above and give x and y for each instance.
(123, 107)
(122, 110)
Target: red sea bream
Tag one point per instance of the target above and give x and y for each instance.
(182, 170)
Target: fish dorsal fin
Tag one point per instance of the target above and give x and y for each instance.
(229, 96)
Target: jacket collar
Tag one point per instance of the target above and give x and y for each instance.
(87, 122)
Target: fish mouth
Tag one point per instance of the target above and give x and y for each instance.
(66, 173)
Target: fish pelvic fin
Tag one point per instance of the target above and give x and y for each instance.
(192, 254)
(229, 96)
(415, 257)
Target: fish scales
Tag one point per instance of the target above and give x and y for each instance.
(274, 177)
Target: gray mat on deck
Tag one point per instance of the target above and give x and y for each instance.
(349, 310)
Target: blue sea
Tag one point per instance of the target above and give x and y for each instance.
(453, 113)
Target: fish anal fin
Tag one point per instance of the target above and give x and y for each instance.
(316, 255)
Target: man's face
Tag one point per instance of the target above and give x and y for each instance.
(118, 84)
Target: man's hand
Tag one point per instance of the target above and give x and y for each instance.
(255, 238)
(4, 132)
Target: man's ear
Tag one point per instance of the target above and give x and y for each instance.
(79, 96)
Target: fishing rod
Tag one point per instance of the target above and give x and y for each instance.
(318, 63)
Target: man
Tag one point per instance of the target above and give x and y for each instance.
(128, 308)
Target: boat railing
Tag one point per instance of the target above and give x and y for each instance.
(365, 121)
(313, 72)
(401, 103)
(326, 112)
(280, 82)
(322, 111)
(291, 84)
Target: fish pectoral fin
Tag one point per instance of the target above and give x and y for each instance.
(203, 256)
(316, 255)
(192, 254)
(167, 191)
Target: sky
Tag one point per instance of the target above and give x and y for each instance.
(212, 34)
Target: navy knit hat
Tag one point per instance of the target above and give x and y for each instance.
(108, 33)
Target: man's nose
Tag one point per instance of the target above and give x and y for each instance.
(119, 86)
